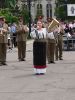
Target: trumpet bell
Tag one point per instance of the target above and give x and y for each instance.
(53, 25)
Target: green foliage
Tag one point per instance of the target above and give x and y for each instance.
(8, 6)
(65, 1)
(8, 15)
(11, 12)
(25, 14)
(61, 12)
(10, 3)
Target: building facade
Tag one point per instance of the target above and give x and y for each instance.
(45, 8)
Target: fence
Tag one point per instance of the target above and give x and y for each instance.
(69, 42)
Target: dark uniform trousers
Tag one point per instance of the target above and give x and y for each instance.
(3, 48)
(50, 50)
(21, 49)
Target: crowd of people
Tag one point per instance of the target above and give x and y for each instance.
(47, 45)
(69, 27)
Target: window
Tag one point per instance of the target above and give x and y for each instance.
(49, 10)
(39, 9)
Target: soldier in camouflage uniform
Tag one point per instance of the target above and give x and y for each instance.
(50, 46)
(3, 40)
(59, 43)
(22, 33)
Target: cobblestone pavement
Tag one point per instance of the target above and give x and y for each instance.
(18, 82)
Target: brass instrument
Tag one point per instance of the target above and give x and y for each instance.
(53, 25)
(1, 34)
(22, 29)
(1, 31)
(25, 28)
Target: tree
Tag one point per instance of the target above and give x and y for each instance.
(24, 13)
(10, 3)
(11, 11)
(2, 3)
(8, 15)
(7, 3)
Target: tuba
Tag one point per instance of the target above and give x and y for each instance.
(53, 25)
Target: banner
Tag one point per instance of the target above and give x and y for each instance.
(70, 9)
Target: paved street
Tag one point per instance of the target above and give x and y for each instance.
(18, 82)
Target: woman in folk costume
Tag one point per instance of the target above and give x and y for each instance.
(39, 49)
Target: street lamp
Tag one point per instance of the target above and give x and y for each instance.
(29, 8)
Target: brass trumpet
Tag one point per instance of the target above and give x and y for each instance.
(2, 30)
(53, 25)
